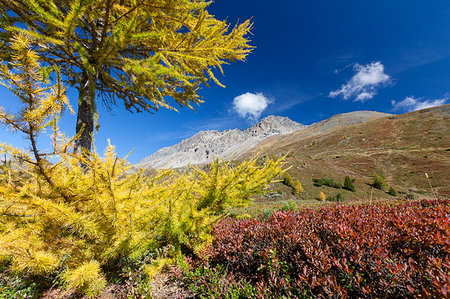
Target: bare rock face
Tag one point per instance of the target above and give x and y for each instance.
(204, 146)
(273, 125)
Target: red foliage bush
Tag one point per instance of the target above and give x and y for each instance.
(344, 251)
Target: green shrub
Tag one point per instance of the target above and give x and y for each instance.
(13, 286)
(208, 282)
(348, 184)
(326, 182)
(392, 192)
(378, 182)
(289, 206)
(317, 182)
(336, 198)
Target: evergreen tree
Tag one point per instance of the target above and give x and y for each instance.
(336, 198)
(378, 182)
(140, 52)
(348, 184)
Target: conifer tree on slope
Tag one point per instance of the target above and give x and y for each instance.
(141, 52)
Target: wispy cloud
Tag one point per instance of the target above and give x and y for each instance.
(170, 136)
(250, 106)
(413, 104)
(364, 84)
(410, 58)
(190, 128)
(285, 105)
(218, 123)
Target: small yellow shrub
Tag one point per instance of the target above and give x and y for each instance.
(297, 188)
(322, 196)
(157, 265)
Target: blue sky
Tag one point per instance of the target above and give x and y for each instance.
(313, 59)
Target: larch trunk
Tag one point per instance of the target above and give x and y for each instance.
(85, 117)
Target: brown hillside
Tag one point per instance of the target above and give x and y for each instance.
(401, 147)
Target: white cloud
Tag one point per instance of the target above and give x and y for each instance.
(249, 105)
(363, 85)
(413, 104)
(365, 96)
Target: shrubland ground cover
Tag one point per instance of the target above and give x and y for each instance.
(377, 251)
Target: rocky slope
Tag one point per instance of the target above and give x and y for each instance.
(204, 146)
(333, 123)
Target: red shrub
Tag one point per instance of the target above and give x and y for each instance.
(375, 251)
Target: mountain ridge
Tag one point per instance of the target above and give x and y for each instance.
(204, 146)
(402, 148)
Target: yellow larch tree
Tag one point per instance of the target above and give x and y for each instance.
(56, 214)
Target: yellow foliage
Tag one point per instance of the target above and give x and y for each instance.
(297, 188)
(87, 278)
(162, 48)
(87, 211)
(35, 262)
(322, 196)
(157, 265)
(244, 216)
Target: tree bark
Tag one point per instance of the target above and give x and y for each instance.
(85, 117)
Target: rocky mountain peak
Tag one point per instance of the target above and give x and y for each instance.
(274, 125)
(204, 146)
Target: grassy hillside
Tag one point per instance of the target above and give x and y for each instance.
(400, 147)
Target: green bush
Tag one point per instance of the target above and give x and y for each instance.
(289, 206)
(12, 286)
(317, 182)
(326, 182)
(378, 182)
(392, 192)
(348, 184)
(208, 282)
(336, 198)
